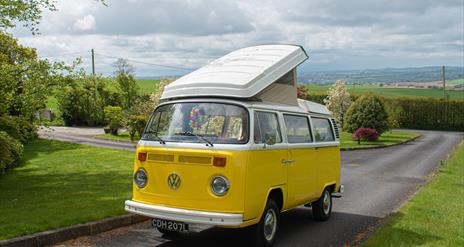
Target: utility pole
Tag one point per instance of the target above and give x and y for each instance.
(443, 80)
(93, 63)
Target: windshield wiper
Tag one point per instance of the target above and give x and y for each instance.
(155, 134)
(201, 138)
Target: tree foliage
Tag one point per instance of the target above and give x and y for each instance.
(367, 111)
(25, 80)
(338, 101)
(126, 82)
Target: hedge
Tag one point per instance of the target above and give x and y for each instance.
(420, 113)
(11, 151)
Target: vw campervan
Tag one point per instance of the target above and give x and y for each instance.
(231, 145)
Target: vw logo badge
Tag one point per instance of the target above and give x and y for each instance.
(174, 181)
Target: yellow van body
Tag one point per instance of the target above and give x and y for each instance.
(296, 174)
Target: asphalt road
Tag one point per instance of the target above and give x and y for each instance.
(377, 182)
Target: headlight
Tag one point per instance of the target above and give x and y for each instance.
(141, 178)
(219, 185)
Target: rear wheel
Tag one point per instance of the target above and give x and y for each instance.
(322, 208)
(267, 228)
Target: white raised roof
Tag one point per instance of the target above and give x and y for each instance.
(240, 74)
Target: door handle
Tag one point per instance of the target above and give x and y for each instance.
(286, 162)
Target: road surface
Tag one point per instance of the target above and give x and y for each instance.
(377, 182)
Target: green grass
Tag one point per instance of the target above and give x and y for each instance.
(392, 92)
(386, 139)
(147, 86)
(122, 136)
(456, 81)
(61, 184)
(434, 217)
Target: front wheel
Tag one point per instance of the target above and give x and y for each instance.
(322, 208)
(266, 229)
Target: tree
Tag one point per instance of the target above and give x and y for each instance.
(338, 101)
(25, 80)
(27, 12)
(367, 111)
(126, 82)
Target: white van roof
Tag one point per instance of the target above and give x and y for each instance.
(240, 74)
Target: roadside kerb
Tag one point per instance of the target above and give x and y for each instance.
(70, 232)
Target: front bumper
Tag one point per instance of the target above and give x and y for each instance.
(184, 215)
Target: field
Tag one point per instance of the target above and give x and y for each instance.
(392, 92)
(434, 217)
(61, 184)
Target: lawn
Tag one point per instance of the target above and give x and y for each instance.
(434, 217)
(61, 184)
(387, 139)
(392, 92)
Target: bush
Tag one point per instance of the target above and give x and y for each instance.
(18, 128)
(365, 134)
(113, 116)
(83, 103)
(135, 124)
(367, 111)
(11, 150)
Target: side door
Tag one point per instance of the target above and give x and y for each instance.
(265, 169)
(301, 168)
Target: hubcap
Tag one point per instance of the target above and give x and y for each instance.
(326, 202)
(270, 223)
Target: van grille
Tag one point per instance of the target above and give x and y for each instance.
(161, 157)
(335, 125)
(195, 159)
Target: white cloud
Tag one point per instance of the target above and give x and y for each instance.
(336, 34)
(86, 23)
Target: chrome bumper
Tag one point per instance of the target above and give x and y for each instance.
(184, 215)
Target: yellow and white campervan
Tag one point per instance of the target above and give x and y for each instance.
(231, 145)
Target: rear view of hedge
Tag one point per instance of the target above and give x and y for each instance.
(417, 113)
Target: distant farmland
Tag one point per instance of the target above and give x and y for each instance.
(393, 92)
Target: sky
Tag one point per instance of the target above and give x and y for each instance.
(186, 34)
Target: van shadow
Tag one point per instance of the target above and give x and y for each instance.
(298, 228)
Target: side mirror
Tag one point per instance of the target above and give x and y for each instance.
(270, 138)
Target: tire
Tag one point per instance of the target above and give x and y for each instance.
(322, 208)
(267, 228)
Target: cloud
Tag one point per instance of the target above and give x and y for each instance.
(86, 23)
(188, 33)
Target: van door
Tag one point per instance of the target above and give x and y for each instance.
(301, 168)
(264, 169)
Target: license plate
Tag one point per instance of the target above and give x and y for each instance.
(170, 225)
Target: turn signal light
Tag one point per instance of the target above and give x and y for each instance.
(142, 156)
(219, 161)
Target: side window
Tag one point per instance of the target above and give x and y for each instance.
(266, 123)
(322, 129)
(298, 130)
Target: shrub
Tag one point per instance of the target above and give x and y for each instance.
(18, 128)
(83, 102)
(365, 134)
(367, 111)
(11, 150)
(113, 116)
(135, 124)
(338, 101)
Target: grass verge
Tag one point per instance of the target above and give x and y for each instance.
(386, 139)
(434, 217)
(122, 136)
(61, 184)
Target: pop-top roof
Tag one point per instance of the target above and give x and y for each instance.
(240, 74)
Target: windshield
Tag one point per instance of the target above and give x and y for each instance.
(198, 122)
